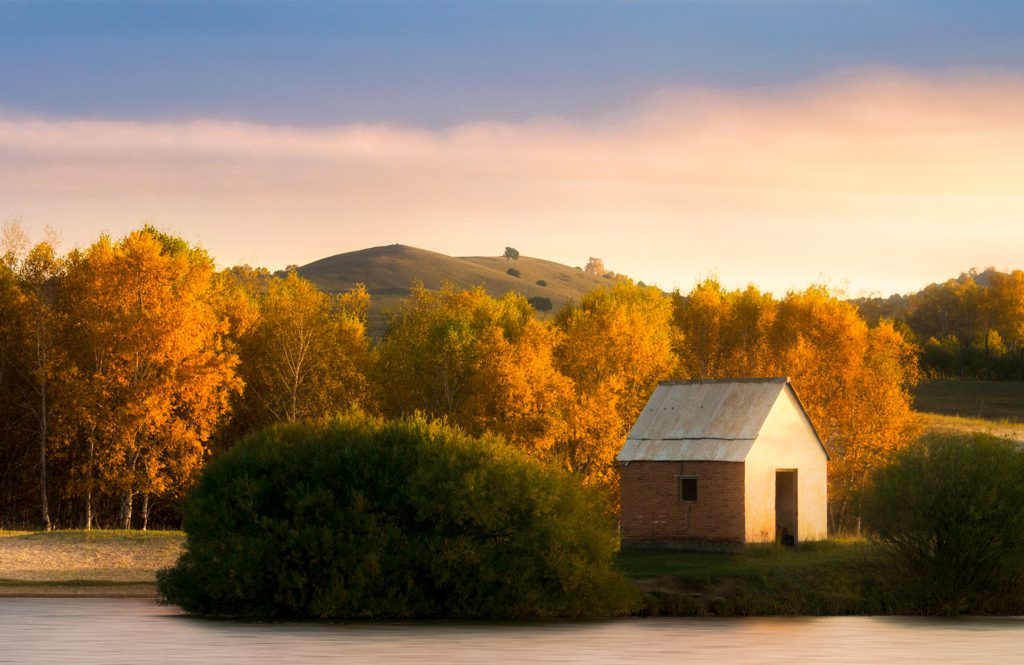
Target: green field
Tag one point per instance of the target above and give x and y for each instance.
(988, 400)
(814, 579)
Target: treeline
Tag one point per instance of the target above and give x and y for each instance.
(971, 327)
(125, 366)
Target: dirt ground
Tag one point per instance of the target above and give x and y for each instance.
(77, 563)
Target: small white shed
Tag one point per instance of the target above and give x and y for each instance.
(723, 462)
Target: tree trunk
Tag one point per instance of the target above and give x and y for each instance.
(8, 518)
(88, 488)
(145, 510)
(126, 510)
(44, 503)
(88, 509)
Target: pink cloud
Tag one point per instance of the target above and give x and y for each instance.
(879, 179)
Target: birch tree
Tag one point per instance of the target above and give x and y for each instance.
(153, 360)
(305, 354)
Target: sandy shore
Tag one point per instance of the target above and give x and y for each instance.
(89, 564)
(29, 590)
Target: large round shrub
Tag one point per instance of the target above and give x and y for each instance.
(950, 513)
(357, 518)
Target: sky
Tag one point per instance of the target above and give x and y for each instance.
(873, 147)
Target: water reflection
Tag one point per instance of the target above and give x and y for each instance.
(137, 632)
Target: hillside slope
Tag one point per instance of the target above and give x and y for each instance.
(387, 272)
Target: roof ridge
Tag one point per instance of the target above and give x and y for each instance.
(766, 379)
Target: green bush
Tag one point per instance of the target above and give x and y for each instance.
(540, 303)
(357, 518)
(950, 515)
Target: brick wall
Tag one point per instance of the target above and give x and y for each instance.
(652, 511)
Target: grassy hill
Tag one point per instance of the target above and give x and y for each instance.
(389, 271)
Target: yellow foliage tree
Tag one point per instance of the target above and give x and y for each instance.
(482, 363)
(304, 352)
(615, 347)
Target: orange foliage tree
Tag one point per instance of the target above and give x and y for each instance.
(615, 347)
(853, 380)
(151, 368)
(567, 392)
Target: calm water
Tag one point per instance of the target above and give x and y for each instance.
(138, 632)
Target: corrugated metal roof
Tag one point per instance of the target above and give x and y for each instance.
(674, 450)
(714, 420)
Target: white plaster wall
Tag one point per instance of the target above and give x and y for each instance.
(786, 441)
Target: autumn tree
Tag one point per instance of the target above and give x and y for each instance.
(515, 390)
(595, 266)
(1006, 304)
(18, 442)
(304, 352)
(151, 366)
(33, 341)
(615, 347)
(480, 362)
(971, 326)
(853, 380)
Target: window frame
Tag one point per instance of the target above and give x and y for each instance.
(684, 496)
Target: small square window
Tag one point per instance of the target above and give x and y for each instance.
(688, 488)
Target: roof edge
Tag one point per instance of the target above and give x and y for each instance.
(684, 382)
(810, 422)
(695, 438)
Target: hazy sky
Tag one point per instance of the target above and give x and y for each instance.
(873, 146)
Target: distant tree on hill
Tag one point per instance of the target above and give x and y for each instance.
(290, 268)
(541, 304)
(514, 272)
(541, 282)
(511, 254)
(968, 327)
(595, 266)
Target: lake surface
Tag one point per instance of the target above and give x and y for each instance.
(116, 631)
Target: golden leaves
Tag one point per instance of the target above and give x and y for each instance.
(150, 365)
(853, 381)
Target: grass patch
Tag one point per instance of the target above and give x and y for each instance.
(813, 579)
(1004, 429)
(97, 556)
(69, 583)
(96, 535)
(989, 400)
